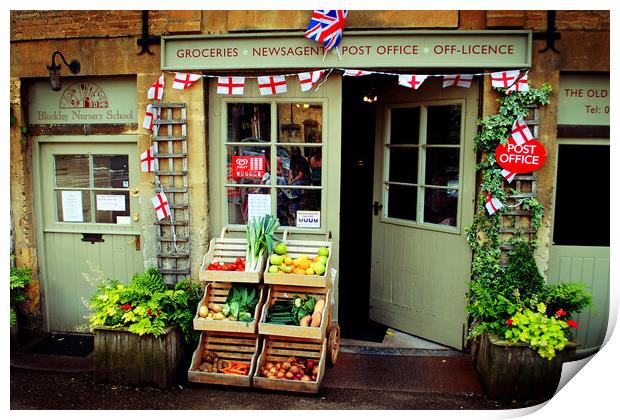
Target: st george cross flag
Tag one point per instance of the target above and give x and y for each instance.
(149, 116)
(184, 80)
(326, 26)
(230, 85)
(412, 81)
(459, 80)
(148, 161)
(270, 85)
(493, 204)
(520, 132)
(156, 91)
(162, 207)
(521, 85)
(504, 79)
(355, 73)
(508, 175)
(307, 80)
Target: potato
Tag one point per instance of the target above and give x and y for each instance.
(316, 320)
(319, 305)
(210, 316)
(219, 316)
(305, 321)
(215, 307)
(203, 311)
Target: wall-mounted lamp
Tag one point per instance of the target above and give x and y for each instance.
(54, 69)
(370, 96)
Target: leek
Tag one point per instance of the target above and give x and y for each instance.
(261, 241)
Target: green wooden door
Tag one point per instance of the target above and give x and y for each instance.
(424, 181)
(580, 247)
(89, 219)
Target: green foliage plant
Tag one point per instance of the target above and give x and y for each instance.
(19, 278)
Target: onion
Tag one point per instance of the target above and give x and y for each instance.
(298, 376)
(305, 378)
(268, 365)
(278, 366)
(273, 370)
(294, 370)
(280, 375)
(289, 375)
(310, 363)
(313, 378)
(286, 365)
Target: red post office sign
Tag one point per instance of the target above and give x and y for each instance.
(521, 158)
(248, 166)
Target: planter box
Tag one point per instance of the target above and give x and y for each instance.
(125, 358)
(515, 371)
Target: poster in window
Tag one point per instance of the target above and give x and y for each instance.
(248, 166)
(72, 206)
(259, 205)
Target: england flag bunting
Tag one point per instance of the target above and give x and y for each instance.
(162, 207)
(508, 175)
(271, 85)
(156, 91)
(230, 85)
(149, 117)
(521, 85)
(504, 79)
(493, 204)
(413, 81)
(148, 161)
(307, 80)
(184, 80)
(356, 73)
(458, 80)
(520, 132)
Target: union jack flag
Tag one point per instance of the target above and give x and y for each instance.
(326, 26)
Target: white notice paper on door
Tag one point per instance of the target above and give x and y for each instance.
(259, 205)
(110, 202)
(72, 206)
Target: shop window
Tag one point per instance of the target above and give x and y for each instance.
(294, 149)
(84, 183)
(582, 217)
(423, 148)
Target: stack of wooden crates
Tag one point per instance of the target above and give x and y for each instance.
(259, 342)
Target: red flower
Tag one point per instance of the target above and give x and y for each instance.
(126, 307)
(560, 312)
(509, 322)
(572, 323)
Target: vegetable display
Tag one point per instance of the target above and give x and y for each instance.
(239, 306)
(261, 240)
(293, 369)
(216, 265)
(213, 364)
(280, 262)
(305, 312)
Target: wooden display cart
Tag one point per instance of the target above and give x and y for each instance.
(217, 293)
(228, 346)
(228, 250)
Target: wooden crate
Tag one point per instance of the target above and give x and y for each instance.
(279, 292)
(295, 248)
(228, 250)
(278, 349)
(217, 293)
(228, 346)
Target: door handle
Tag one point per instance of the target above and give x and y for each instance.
(376, 207)
(136, 241)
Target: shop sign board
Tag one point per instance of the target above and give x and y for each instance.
(248, 166)
(368, 49)
(84, 101)
(583, 99)
(523, 158)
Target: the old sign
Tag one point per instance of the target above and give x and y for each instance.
(583, 99)
(521, 159)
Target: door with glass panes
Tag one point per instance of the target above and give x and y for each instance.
(90, 223)
(424, 198)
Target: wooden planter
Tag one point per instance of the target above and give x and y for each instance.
(217, 293)
(277, 292)
(278, 349)
(228, 346)
(125, 358)
(515, 371)
(294, 249)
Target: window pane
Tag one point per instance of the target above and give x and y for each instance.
(582, 219)
(73, 206)
(402, 202)
(111, 171)
(249, 164)
(299, 165)
(300, 123)
(249, 122)
(405, 126)
(444, 124)
(72, 171)
(440, 206)
(290, 201)
(111, 204)
(403, 165)
(238, 198)
(442, 167)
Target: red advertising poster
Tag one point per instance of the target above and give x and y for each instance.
(248, 166)
(521, 159)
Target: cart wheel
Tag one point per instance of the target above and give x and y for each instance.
(333, 344)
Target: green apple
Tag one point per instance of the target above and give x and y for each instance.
(273, 269)
(323, 251)
(276, 259)
(281, 248)
(318, 268)
(322, 259)
(286, 268)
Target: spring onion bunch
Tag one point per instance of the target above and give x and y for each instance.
(261, 240)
